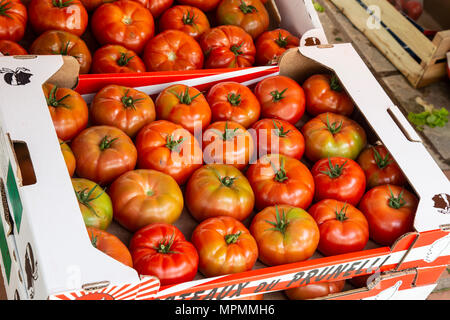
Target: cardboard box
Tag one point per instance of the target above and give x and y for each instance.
(68, 267)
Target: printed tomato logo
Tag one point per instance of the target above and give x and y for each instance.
(96, 296)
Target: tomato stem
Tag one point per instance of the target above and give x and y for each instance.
(396, 202)
(278, 96)
(84, 197)
(247, 8)
(188, 19)
(227, 181)
(229, 134)
(94, 240)
(172, 144)
(334, 171)
(342, 214)
(381, 162)
(279, 131)
(281, 223)
(106, 143)
(280, 174)
(282, 42)
(334, 127)
(61, 4)
(237, 49)
(123, 59)
(54, 102)
(232, 238)
(185, 98)
(234, 99)
(129, 102)
(165, 245)
(4, 9)
(335, 85)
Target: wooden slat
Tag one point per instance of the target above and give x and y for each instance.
(442, 43)
(382, 39)
(431, 74)
(403, 29)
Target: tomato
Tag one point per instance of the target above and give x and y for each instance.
(13, 20)
(143, 197)
(281, 98)
(161, 250)
(343, 228)
(390, 211)
(324, 93)
(103, 153)
(173, 50)
(116, 59)
(251, 15)
(227, 47)
(272, 44)
(95, 204)
(333, 135)
(315, 290)
(380, 168)
(278, 137)
(232, 101)
(413, 9)
(225, 246)
(125, 108)
(277, 179)
(185, 18)
(204, 5)
(169, 148)
(91, 5)
(126, 23)
(63, 43)
(340, 179)
(185, 106)
(68, 110)
(364, 281)
(254, 297)
(110, 245)
(69, 157)
(219, 190)
(284, 234)
(10, 48)
(65, 15)
(227, 142)
(156, 7)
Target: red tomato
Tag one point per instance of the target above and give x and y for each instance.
(281, 98)
(116, 59)
(185, 18)
(232, 101)
(380, 168)
(277, 179)
(278, 137)
(173, 50)
(125, 108)
(251, 15)
(227, 142)
(284, 234)
(143, 197)
(68, 110)
(63, 43)
(103, 153)
(91, 5)
(227, 47)
(13, 20)
(219, 190)
(64, 15)
(272, 44)
(10, 48)
(315, 290)
(340, 179)
(333, 135)
(185, 106)
(161, 250)
(363, 281)
(390, 211)
(169, 148)
(110, 245)
(126, 23)
(156, 7)
(204, 5)
(225, 246)
(343, 228)
(324, 93)
(69, 158)
(413, 9)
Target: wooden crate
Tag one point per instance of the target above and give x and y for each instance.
(432, 53)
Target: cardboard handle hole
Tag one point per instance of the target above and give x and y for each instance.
(25, 164)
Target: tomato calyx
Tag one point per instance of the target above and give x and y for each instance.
(234, 99)
(335, 85)
(185, 98)
(64, 50)
(94, 240)
(396, 202)
(106, 143)
(127, 20)
(232, 238)
(124, 60)
(54, 102)
(245, 8)
(381, 162)
(342, 214)
(237, 49)
(129, 102)
(188, 19)
(334, 127)
(281, 223)
(227, 181)
(228, 134)
(334, 171)
(278, 96)
(172, 144)
(84, 197)
(280, 174)
(279, 131)
(61, 4)
(4, 9)
(281, 42)
(164, 245)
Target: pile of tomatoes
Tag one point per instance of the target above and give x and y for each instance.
(127, 36)
(278, 172)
